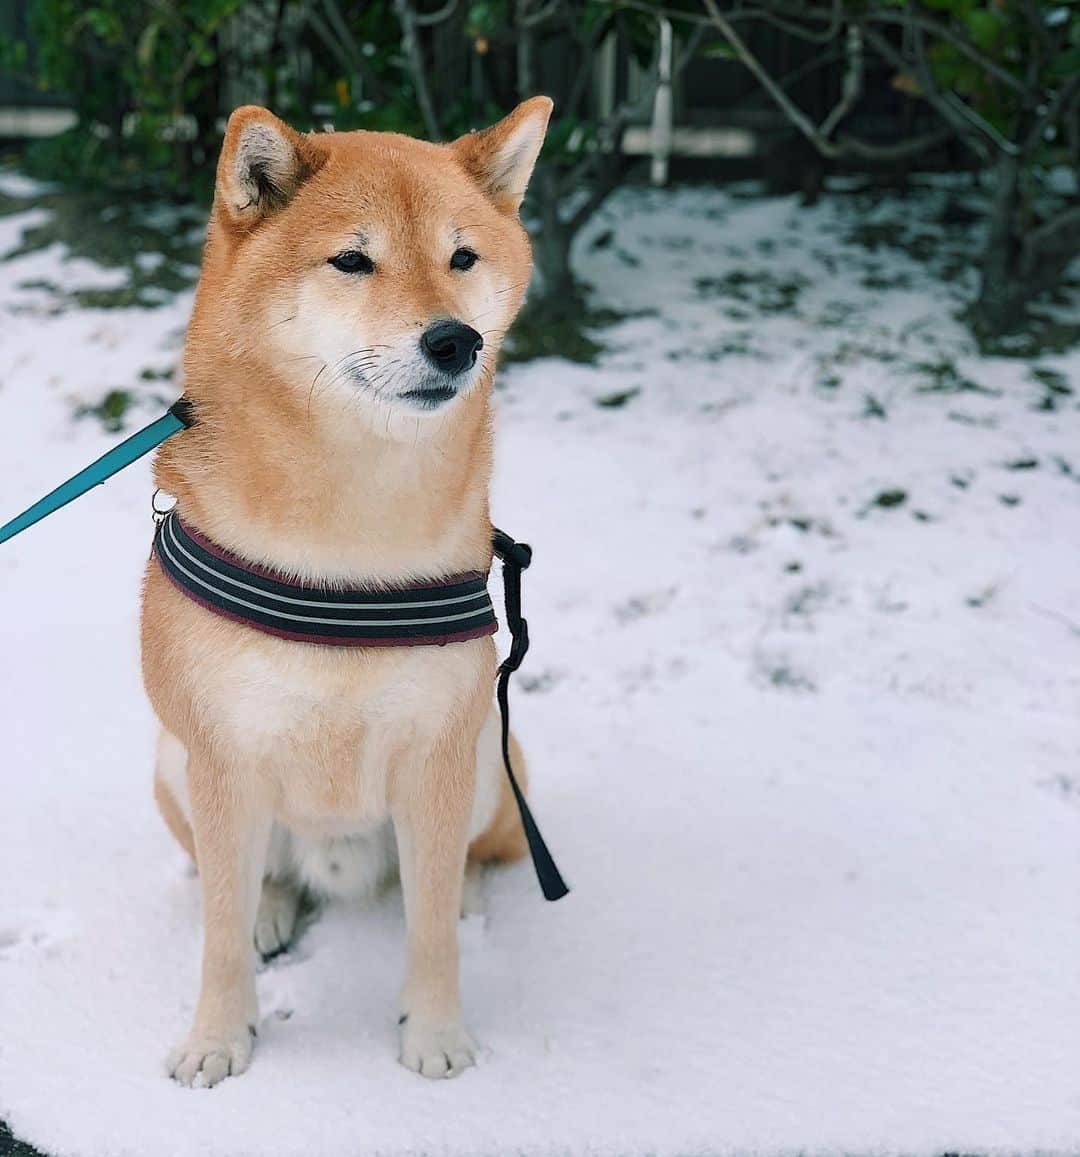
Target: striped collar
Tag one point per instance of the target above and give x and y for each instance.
(452, 610)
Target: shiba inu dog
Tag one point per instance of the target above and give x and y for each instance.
(354, 293)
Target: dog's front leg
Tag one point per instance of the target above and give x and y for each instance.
(431, 821)
(231, 823)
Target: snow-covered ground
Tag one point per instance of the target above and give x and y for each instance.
(802, 715)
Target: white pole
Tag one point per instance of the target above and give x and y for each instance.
(663, 110)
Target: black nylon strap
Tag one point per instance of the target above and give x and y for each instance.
(516, 557)
(183, 409)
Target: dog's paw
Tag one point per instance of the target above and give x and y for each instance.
(275, 922)
(435, 1051)
(202, 1061)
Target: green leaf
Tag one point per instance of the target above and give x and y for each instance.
(144, 53)
(985, 27)
(105, 25)
(721, 50)
(485, 18)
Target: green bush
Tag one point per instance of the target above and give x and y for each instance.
(146, 81)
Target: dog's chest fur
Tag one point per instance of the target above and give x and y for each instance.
(331, 729)
(324, 727)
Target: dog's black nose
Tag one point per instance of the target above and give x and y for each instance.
(451, 346)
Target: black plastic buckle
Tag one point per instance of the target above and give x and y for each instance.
(516, 554)
(518, 648)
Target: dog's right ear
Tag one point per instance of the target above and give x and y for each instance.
(263, 163)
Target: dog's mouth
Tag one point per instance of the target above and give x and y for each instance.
(429, 397)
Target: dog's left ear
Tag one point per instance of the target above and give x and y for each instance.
(501, 158)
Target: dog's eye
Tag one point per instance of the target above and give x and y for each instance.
(463, 259)
(353, 261)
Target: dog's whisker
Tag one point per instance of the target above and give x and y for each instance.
(311, 392)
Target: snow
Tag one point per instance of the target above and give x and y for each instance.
(807, 755)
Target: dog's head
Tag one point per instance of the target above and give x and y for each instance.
(373, 274)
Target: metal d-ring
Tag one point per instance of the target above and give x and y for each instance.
(159, 512)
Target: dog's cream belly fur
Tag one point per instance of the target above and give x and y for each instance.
(325, 731)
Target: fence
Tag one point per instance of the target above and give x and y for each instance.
(715, 107)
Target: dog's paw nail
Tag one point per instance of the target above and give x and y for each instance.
(436, 1052)
(202, 1062)
(275, 921)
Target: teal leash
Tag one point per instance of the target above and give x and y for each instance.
(178, 417)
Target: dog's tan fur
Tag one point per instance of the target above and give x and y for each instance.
(304, 459)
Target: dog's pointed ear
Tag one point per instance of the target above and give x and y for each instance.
(263, 163)
(501, 158)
